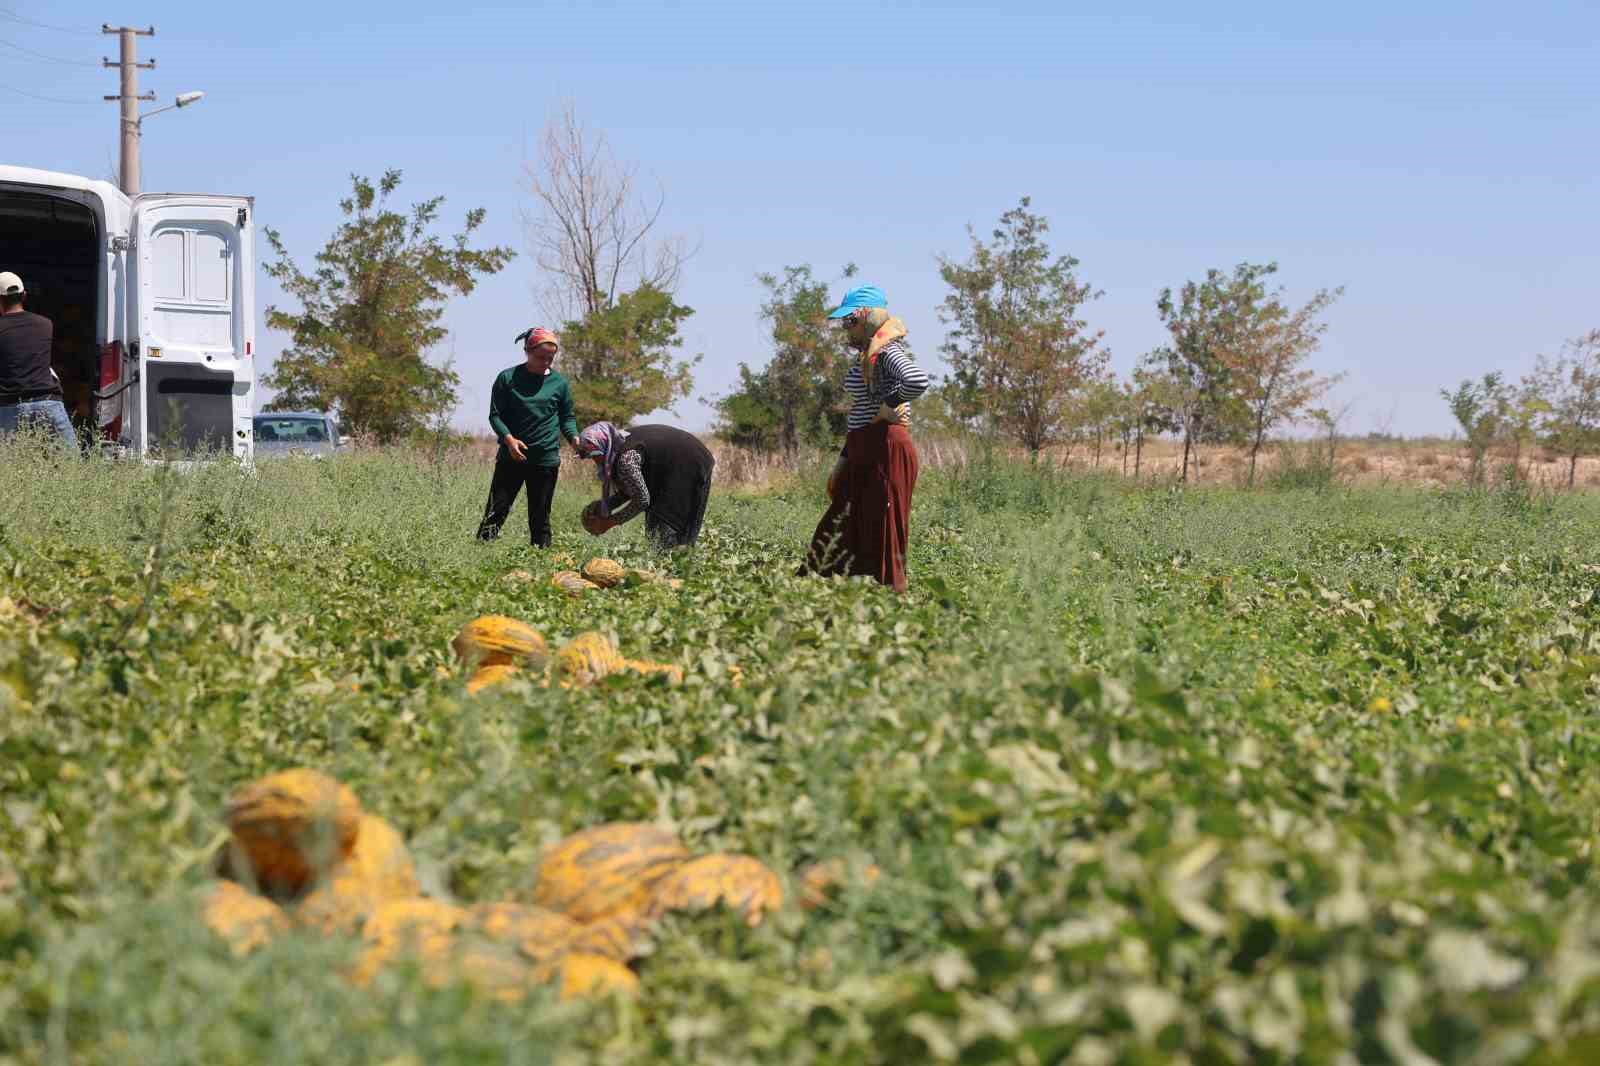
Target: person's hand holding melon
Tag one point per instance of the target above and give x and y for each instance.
(595, 523)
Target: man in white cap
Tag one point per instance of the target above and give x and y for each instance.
(30, 392)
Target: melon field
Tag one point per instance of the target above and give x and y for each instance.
(1145, 775)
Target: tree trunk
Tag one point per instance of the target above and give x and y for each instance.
(1138, 451)
(1186, 438)
(1255, 449)
(1572, 469)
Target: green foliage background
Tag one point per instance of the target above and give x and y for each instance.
(1153, 775)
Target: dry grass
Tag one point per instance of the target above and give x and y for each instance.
(1424, 461)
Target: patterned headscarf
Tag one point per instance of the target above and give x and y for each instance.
(868, 333)
(605, 440)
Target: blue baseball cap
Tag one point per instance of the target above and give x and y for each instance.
(859, 297)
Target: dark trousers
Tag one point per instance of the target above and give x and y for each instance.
(509, 477)
(665, 536)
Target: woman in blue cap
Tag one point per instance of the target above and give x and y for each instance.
(865, 529)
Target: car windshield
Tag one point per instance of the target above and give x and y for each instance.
(291, 430)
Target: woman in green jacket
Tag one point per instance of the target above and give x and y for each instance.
(530, 410)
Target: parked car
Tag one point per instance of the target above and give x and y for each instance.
(313, 433)
(153, 297)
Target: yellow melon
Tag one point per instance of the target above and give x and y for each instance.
(493, 970)
(739, 882)
(820, 880)
(594, 975)
(489, 675)
(605, 869)
(620, 935)
(424, 928)
(607, 573)
(289, 827)
(379, 869)
(242, 918)
(649, 669)
(572, 583)
(495, 639)
(539, 933)
(586, 658)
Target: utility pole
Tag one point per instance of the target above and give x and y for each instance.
(129, 96)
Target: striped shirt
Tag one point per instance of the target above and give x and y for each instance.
(899, 381)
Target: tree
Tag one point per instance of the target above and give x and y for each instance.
(798, 396)
(1265, 347)
(1099, 403)
(370, 312)
(1569, 387)
(1203, 320)
(621, 357)
(593, 232)
(1155, 400)
(594, 226)
(1480, 409)
(1016, 339)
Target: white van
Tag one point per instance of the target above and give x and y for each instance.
(153, 300)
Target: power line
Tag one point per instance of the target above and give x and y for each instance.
(47, 58)
(47, 99)
(6, 13)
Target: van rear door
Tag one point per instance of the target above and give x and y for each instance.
(194, 309)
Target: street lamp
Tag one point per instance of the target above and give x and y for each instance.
(184, 100)
(133, 128)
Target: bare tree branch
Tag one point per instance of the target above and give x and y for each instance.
(591, 231)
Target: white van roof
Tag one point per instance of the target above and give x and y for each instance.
(57, 180)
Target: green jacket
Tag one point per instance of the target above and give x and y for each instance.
(537, 411)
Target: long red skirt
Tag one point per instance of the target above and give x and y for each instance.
(864, 532)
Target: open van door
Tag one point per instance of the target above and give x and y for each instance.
(194, 314)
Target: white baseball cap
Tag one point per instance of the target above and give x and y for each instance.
(11, 285)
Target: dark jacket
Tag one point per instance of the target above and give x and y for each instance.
(677, 471)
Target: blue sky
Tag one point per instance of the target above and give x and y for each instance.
(1440, 161)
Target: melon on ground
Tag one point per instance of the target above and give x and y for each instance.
(379, 869)
(620, 935)
(495, 639)
(490, 674)
(594, 975)
(586, 658)
(646, 668)
(607, 573)
(740, 882)
(571, 582)
(606, 869)
(288, 828)
(538, 932)
(423, 928)
(242, 918)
